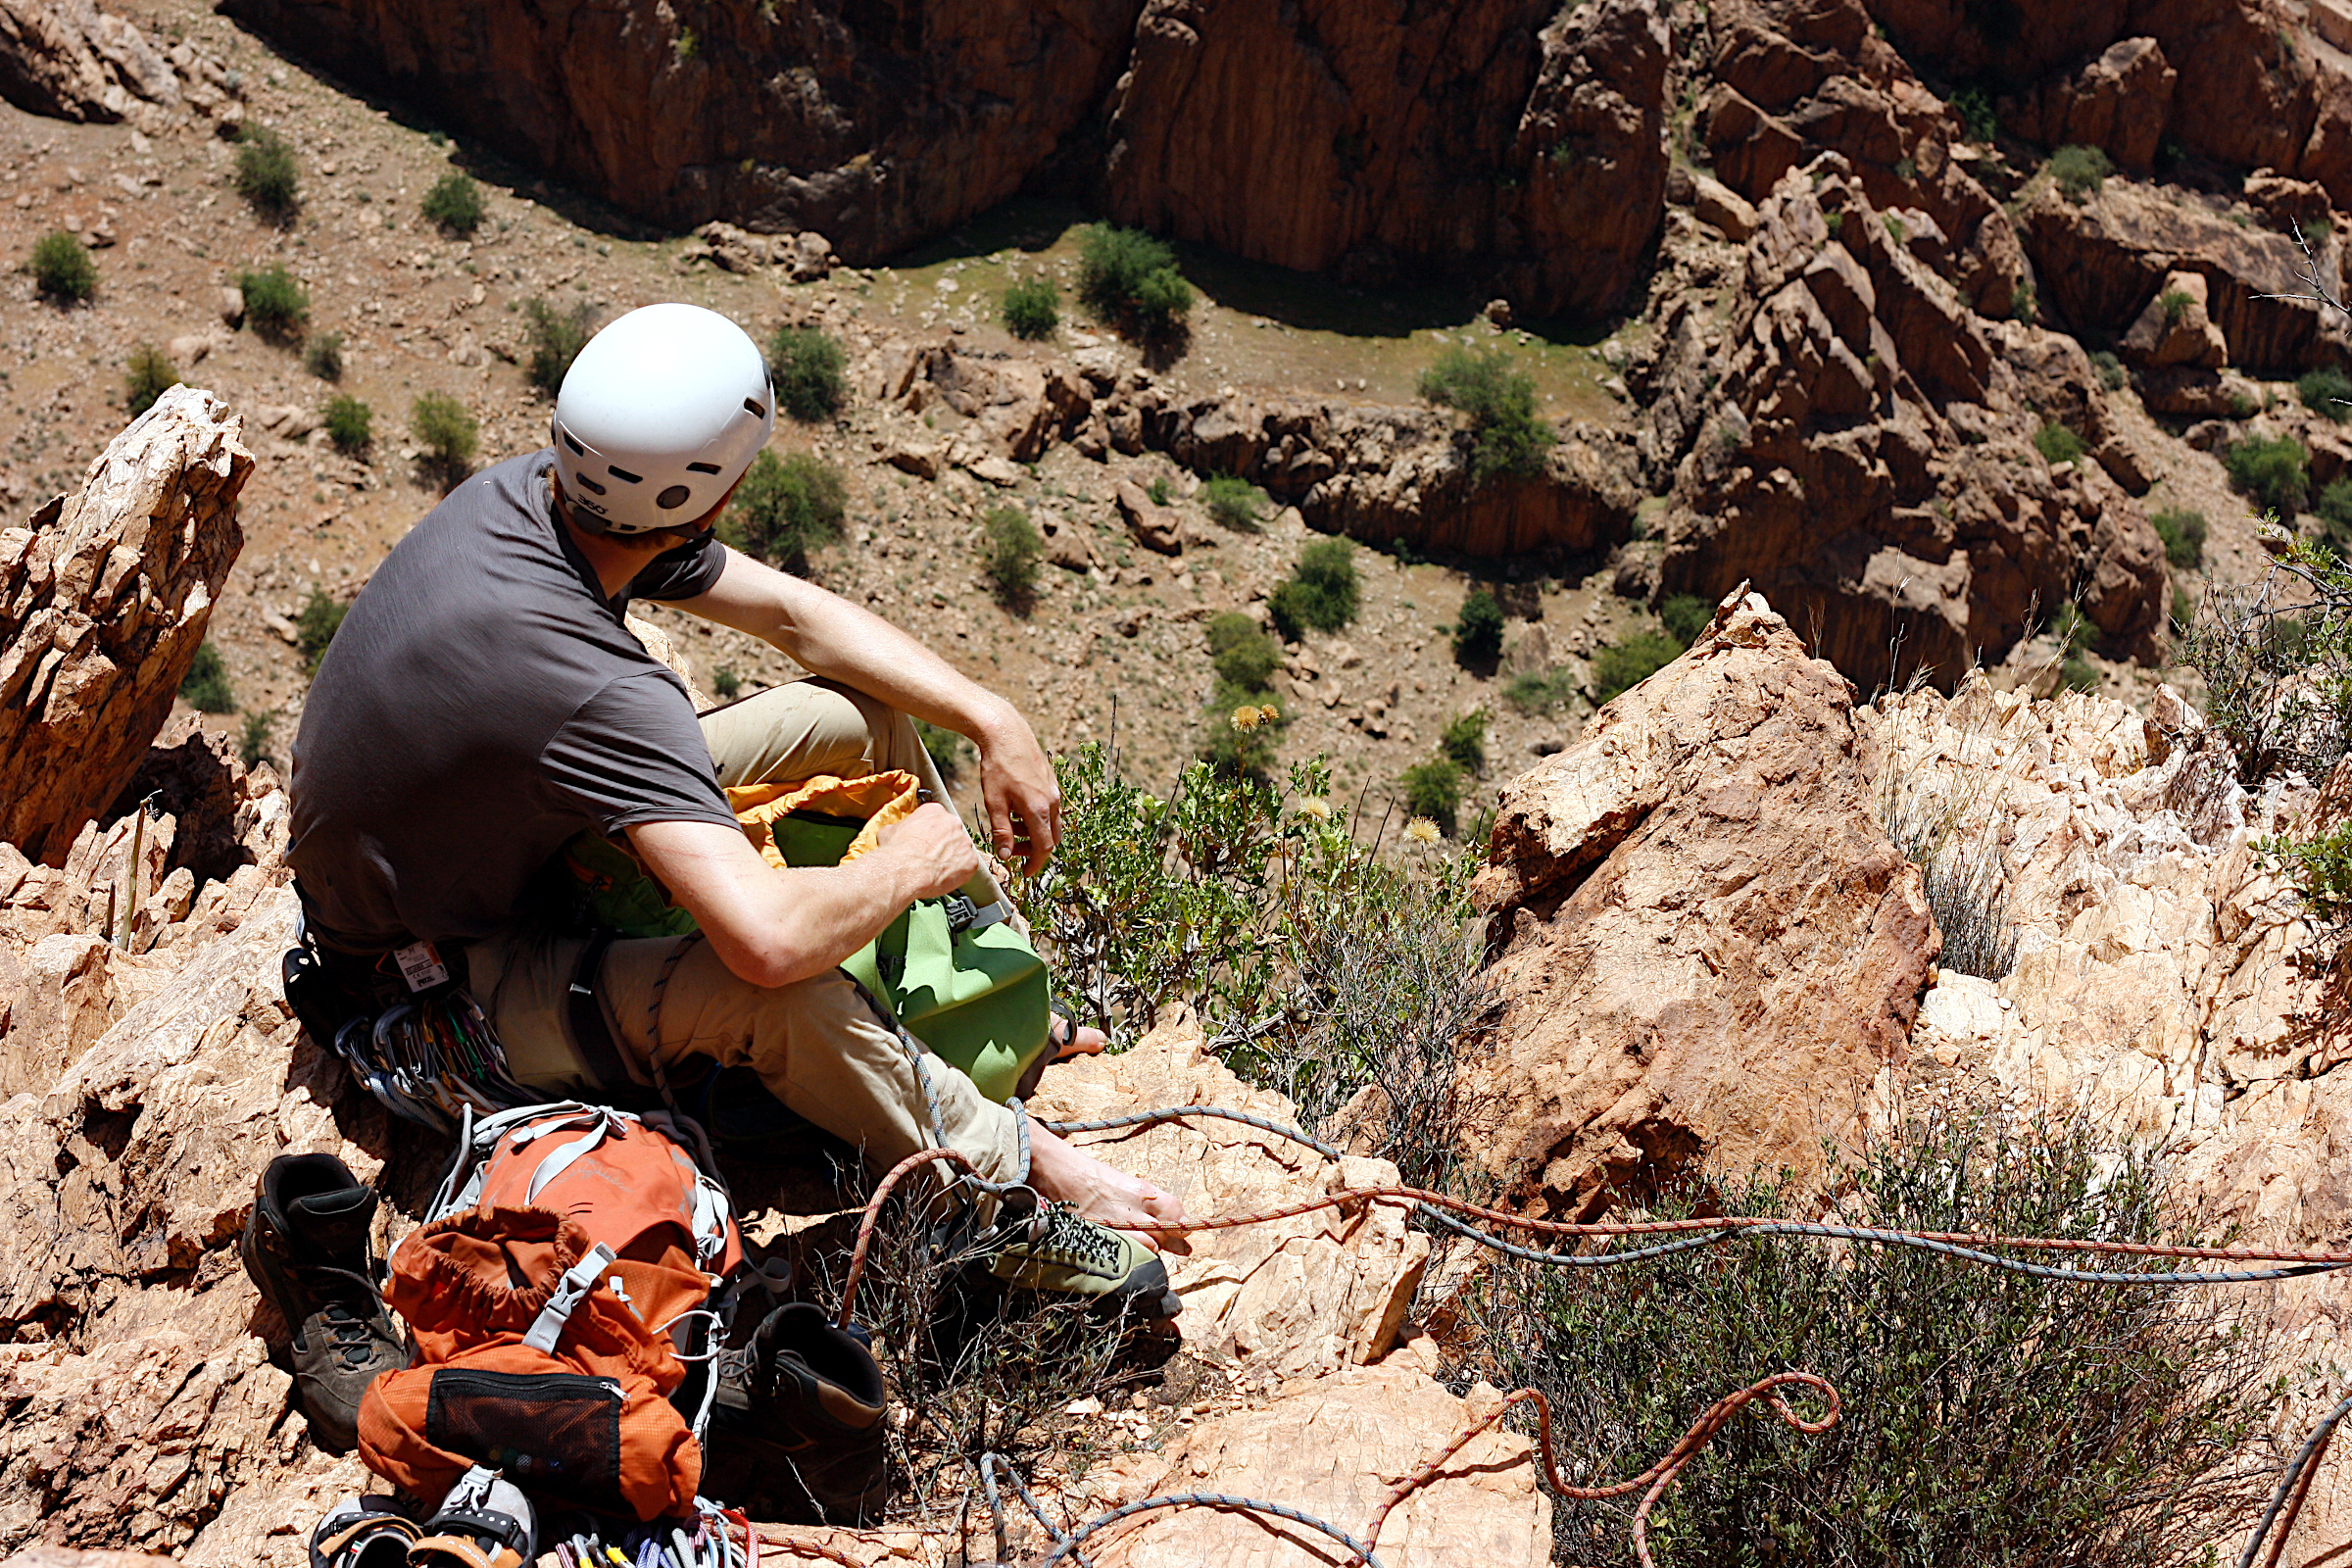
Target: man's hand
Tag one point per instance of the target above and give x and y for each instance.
(938, 854)
(1022, 796)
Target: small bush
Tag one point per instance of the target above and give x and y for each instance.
(2110, 369)
(1973, 105)
(1011, 551)
(322, 355)
(1540, 690)
(2326, 390)
(946, 747)
(1477, 632)
(316, 627)
(62, 269)
(266, 174)
(1235, 503)
(455, 203)
(2078, 172)
(1129, 280)
(556, 337)
(1032, 308)
(2025, 303)
(807, 366)
(1321, 593)
(2078, 674)
(786, 508)
(2057, 444)
(1158, 490)
(2334, 507)
(2183, 534)
(205, 687)
(1434, 789)
(1464, 741)
(1506, 435)
(2174, 304)
(253, 739)
(2185, 609)
(148, 376)
(726, 685)
(350, 424)
(447, 434)
(1239, 730)
(1244, 657)
(1621, 666)
(2274, 471)
(276, 304)
(1686, 616)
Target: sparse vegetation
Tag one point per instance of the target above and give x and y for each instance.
(1464, 741)
(1541, 691)
(726, 685)
(1478, 630)
(1235, 503)
(946, 747)
(2274, 470)
(1973, 105)
(2276, 657)
(446, 436)
(276, 304)
(455, 203)
(2110, 369)
(2025, 303)
(350, 424)
(316, 627)
(1031, 308)
(810, 371)
(1621, 666)
(1506, 435)
(1011, 551)
(322, 355)
(253, 739)
(1686, 616)
(2057, 444)
(1243, 656)
(1158, 490)
(205, 687)
(147, 375)
(1129, 280)
(556, 337)
(2334, 509)
(1434, 789)
(1322, 591)
(785, 508)
(2183, 531)
(2174, 304)
(2326, 390)
(2078, 172)
(62, 269)
(266, 176)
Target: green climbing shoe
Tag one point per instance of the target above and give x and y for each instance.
(1052, 1248)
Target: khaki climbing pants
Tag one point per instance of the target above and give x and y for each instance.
(817, 1044)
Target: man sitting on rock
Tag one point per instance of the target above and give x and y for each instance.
(483, 703)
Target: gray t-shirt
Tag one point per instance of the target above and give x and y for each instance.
(481, 703)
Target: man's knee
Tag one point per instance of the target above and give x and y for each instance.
(794, 731)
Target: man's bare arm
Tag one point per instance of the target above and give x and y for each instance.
(772, 927)
(829, 636)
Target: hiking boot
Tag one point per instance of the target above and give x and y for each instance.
(306, 1248)
(1052, 1248)
(484, 1522)
(798, 1426)
(362, 1533)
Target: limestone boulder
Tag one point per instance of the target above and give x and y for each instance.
(2176, 328)
(1709, 951)
(106, 598)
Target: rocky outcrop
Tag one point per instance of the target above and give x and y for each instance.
(1852, 438)
(106, 597)
(2120, 101)
(67, 59)
(1710, 953)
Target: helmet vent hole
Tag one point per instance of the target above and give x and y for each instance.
(577, 450)
(672, 498)
(591, 484)
(702, 467)
(624, 475)
(756, 412)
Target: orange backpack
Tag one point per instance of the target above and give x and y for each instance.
(569, 1258)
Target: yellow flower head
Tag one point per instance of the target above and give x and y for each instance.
(1245, 718)
(1317, 807)
(1421, 830)
(1268, 713)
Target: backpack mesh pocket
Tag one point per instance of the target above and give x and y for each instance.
(557, 1433)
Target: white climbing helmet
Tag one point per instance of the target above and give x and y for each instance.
(658, 418)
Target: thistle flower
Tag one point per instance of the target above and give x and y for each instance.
(1421, 830)
(1245, 718)
(1314, 805)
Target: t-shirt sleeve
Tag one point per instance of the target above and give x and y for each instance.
(686, 572)
(633, 754)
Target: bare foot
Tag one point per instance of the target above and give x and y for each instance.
(1102, 1194)
(1073, 1040)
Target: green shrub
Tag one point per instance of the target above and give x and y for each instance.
(446, 433)
(322, 355)
(2326, 390)
(556, 337)
(1236, 503)
(455, 203)
(2321, 868)
(785, 508)
(946, 747)
(1032, 308)
(2010, 1420)
(1540, 690)
(2057, 444)
(1129, 280)
(2334, 507)
(1239, 731)
(316, 627)
(1010, 550)
(1973, 105)
(2185, 609)
(2110, 369)
(205, 687)
(62, 269)
(1434, 789)
(1686, 615)
(1621, 666)
(2183, 534)
(2078, 674)
(1464, 741)
(350, 424)
(276, 304)
(1506, 435)
(1158, 490)
(2025, 303)
(253, 739)
(2074, 630)
(148, 376)
(1245, 657)
(266, 174)
(726, 685)
(2078, 172)
(1321, 593)
(2174, 304)
(2274, 471)
(2279, 686)
(807, 367)
(1478, 631)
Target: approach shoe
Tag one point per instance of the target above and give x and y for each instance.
(362, 1533)
(797, 1430)
(307, 1247)
(1052, 1248)
(484, 1522)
